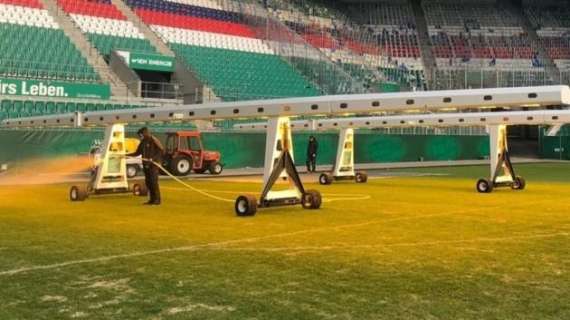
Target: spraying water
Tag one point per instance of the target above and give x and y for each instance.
(47, 170)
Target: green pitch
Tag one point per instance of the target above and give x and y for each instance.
(396, 248)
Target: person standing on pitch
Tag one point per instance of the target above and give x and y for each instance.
(312, 150)
(151, 151)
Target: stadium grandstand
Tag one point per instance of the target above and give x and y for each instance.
(81, 55)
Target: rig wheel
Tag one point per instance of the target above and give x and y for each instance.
(140, 190)
(484, 186)
(78, 193)
(246, 206)
(361, 177)
(519, 183)
(325, 178)
(215, 168)
(311, 199)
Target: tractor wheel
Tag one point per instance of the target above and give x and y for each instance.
(518, 184)
(325, 178)
(215, 168)
(246, 206)
(361, 177)
(140, 190)
(181, 166)
(311, 200)
(484, 186)
(132, 171)
(78, 193)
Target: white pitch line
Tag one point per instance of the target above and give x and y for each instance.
(229, 242)
(206, 245)
(404, 244)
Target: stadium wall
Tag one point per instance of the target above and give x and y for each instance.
(557, 147)
(246, 149)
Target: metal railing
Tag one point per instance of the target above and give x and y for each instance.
(484, 78)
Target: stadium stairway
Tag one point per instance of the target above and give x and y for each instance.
(118, 88)
(423, 39)
(226, 54)
(183, 75)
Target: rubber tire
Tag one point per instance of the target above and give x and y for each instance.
(325, 178)
(139, 190)
(361, 177)
(78, 193)
(246, 206)
(130, 171)
(311, 200)
(484, 186)
(519, 183)
(174, 166)
(215, 168)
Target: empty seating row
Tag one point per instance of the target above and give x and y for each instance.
(251, 75)
(470, 15)
(105, 26)
(24, 3)
(549, 16)
(398, 15)
(97, 8)
(477, 63)
(25, 108)
(26, 16)
(185, 9)
(195, 23)
(34, 47)
(476, 78)
(452, 46)
(211, 4)
(212, 40)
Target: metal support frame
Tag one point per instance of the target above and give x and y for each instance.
(111, 173)
(344, 162)
(343, 168)
(502, 171)
(279, 164)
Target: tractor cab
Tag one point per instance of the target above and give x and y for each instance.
(185, 152)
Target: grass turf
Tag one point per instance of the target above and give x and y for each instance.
(419, 248)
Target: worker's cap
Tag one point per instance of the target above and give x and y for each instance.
(142, 130)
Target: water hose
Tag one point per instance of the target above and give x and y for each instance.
(175, 178)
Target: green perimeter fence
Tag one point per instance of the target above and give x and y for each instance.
(245, 149)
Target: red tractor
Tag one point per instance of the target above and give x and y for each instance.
(185, 153)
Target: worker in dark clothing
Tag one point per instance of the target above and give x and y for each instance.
(151, 151)
(312, 150)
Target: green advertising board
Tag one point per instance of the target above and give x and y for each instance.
(58, 89)
(151, 62)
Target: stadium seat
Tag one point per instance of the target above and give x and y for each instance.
(105, 26)
(43, 51)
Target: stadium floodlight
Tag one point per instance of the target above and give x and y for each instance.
(279, 146)
(312, 106)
